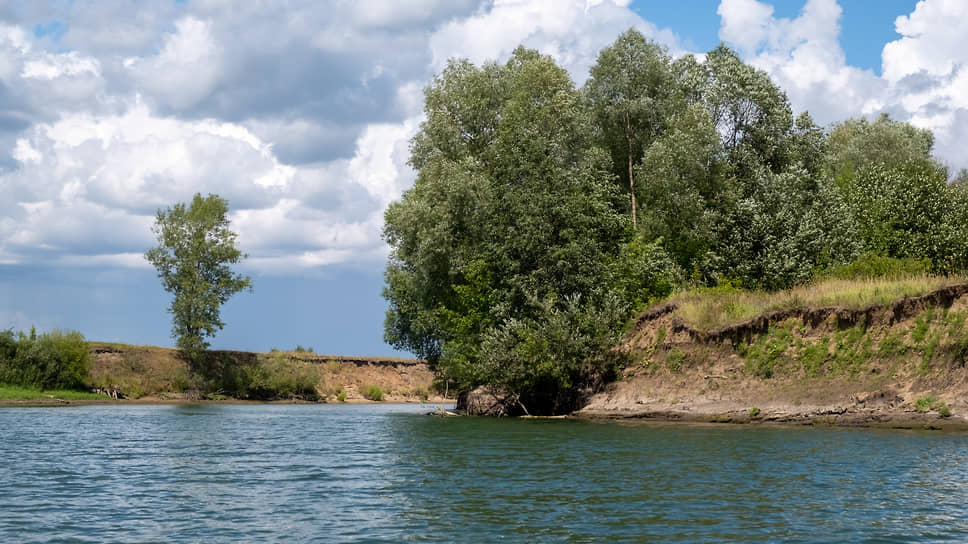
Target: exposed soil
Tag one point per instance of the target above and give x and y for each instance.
(153, 374)
(898, 365)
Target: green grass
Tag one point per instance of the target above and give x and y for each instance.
(372, 392)
(709, 308)
(12, 392)
(762, 356)
(929, 402)
(675, 359)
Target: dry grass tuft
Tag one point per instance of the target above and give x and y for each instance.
(710, 308)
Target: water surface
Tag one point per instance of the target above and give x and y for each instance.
(388, 473)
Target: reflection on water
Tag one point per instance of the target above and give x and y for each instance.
(387, 473)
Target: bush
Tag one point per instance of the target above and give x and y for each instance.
(372, 392)
(341, 396)
(54, 360)
(925, 403)
(872, 265)
(265, 378)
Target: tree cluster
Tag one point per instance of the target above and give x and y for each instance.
(543, 214)
(53, 360)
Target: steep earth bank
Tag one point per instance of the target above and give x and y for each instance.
(898, 365)
(151, 373)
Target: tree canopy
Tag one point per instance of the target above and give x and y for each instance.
(196, 247)
(543, 215)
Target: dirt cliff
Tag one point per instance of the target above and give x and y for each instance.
(901, 364)
(154, 373)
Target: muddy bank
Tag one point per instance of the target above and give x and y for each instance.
(900, 365)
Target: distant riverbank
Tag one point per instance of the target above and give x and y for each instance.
(122, 373)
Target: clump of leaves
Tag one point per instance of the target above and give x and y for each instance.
(372, 392)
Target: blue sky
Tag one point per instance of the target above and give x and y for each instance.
(300, 115)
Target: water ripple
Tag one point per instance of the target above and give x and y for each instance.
(385, 473)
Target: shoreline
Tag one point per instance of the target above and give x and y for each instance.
(830, 417)
(45, 403)
(814, 416)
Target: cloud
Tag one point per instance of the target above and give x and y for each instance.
(933, 41)
(804, 57)
(89, 185)
(185, 70)
(924, 78)
(571, 32)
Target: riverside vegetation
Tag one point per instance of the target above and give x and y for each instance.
(62, 366)
(545, 217)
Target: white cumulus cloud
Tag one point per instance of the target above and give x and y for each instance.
(573, 32)
(924, 78)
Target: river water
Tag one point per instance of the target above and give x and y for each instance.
(388, 473)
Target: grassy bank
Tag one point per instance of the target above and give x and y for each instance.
(718, 307)
(8, 393)
(837, 351)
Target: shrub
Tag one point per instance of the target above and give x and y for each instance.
(372, 392)
(54, 360)
(872, 265)
(924, 403)
(273, 377)
(341, 396)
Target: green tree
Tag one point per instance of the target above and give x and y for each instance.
(196, 247)
(752, 115)
(683, 186)
(907, 211)
(858, 143)
(54, 360)
(508, 254)
(630, 89)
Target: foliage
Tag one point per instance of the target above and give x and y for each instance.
(262, 378)
(872, 265)
(372, 392)
(630, 92)
(762, 356)
(925, 403)
(196, 247)
(857, 144)
(512, 235)
(674, 360)
(542, 216)
(54, 360)
(901, 210)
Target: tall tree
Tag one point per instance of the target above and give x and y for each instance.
(629, 89)
(751, 113)
(507, 252)
(196, 247)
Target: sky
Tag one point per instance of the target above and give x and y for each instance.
(299, 113)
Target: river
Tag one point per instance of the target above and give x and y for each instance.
(387, 473)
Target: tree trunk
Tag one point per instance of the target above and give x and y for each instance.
(628, 137)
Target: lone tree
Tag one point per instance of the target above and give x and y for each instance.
(195, 250)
